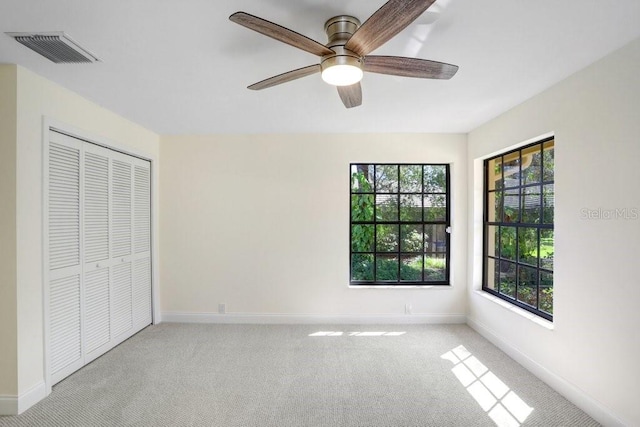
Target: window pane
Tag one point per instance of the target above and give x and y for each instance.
(387, 207)
(494, 174)
(411, 238)
(435, 238)
(390, 242)
(511, 170)
(508, 243)
(531, 164)
(362, 267)
(546, 292)
(518, 228)
(434, 267)
(528, 285)
(493, 240)
(362, 207)
(511, 206)
(435, 179)
(411, 268)
(531, 205)
(362, 238)
(508, 279)
(492, 274)
(411, 208)
(546, 249)
(494, 204)
(528, 245)
(435, 207)
(362, 178)
(387, 178)
(387, 238)
(411, 178)
(548, 161)
(387, 267)
(548, 198)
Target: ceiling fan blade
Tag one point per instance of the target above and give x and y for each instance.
(386, 22)
(409, 67)
(351, 95)
(280, 33)
(286, 77)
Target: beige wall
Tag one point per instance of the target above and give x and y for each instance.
(261, 223)
(594, 346)
(8, 315)
(38, 97)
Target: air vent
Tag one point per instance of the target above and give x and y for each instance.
(55, 46)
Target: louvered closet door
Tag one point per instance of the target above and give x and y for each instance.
(99, 244)
(121, 243)
(141, 290)
(97, 275)
(64, 260)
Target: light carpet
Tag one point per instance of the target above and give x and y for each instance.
(303, 375)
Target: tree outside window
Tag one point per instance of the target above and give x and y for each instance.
(518, 227)
(399, 220)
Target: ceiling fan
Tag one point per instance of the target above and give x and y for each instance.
(346, 55)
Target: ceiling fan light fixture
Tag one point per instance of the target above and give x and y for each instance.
(342, 75)
(342, 70)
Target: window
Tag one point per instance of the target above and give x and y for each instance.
(399, 224)
(518, 227)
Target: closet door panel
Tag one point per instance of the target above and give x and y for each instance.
(121, 244)
(96, 216)
(142, 244)
(64, 291)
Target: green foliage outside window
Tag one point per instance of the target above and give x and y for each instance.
(519, 235)
(398, 222)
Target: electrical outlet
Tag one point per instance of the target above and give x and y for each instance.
(222, 308)
(407, 309)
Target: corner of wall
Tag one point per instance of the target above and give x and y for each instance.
(8, 235)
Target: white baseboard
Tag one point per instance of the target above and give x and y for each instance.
(578, 397)
(346, 319)
(15, 405)
(32, 396)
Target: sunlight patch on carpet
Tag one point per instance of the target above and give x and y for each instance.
(502, 404)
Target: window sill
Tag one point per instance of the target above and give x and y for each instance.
(400, 287)
(517, 310)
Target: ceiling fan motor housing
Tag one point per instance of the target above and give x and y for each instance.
(339, 30)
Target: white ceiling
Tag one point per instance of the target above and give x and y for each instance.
(181, 67)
